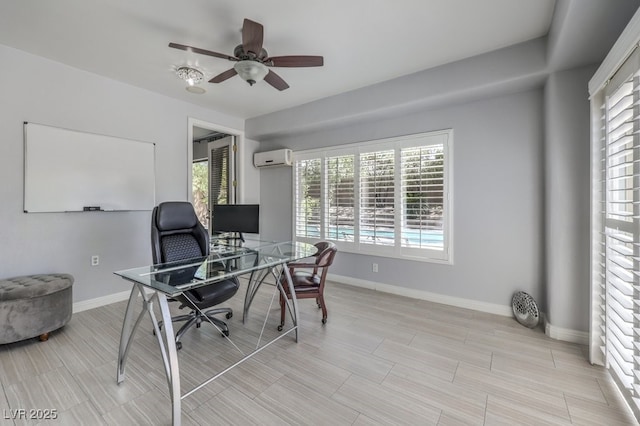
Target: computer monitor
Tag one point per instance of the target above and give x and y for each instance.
(241, 218)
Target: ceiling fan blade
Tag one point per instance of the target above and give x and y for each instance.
(276, 81)
(252, 35)
(202, 51)
(223, 76)
(295, 61)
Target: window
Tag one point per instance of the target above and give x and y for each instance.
(616, 229)
(387, 197)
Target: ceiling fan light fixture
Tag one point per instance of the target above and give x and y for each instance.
(251, 71)
(190, 75)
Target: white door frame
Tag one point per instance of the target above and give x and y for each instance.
(240, 153)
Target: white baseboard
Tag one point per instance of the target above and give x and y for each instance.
(100, 301)
(567, 335)
(459, 302)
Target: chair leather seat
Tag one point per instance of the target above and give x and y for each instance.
(305, 288)
(304, 282)
(305, 278)
(214, 294)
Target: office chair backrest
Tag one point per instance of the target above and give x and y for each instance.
(176, 233)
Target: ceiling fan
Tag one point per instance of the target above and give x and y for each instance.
(252, 59)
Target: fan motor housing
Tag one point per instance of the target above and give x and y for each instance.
(239, 53)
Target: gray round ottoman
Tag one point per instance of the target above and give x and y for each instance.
(34, 305)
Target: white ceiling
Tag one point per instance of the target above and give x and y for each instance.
(363, 41)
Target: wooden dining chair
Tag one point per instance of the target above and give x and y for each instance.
(308, 277)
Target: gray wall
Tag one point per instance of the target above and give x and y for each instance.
(567, 195)
(41, 91)
(498, 194)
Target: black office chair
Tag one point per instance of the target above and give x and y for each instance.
(177, 234)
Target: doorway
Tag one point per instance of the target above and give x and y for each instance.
(213, 169)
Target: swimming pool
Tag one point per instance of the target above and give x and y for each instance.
(410, 237)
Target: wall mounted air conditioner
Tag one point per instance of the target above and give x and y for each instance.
(279, 157)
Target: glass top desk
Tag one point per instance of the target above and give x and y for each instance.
(263, 263)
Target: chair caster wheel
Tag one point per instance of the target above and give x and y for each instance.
(324, 320)
(229, 315)
(198, 325)
(319, 305)
(225, 333)
(178, 345)
(280, 328)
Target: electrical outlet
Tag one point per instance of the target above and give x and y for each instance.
(95, 260)
(374, 267)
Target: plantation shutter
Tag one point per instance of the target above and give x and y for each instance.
(340, 198)
(423, 196)
(218, 177)
(619, 193)
(377, 198)
(307, 187)
(221, 174)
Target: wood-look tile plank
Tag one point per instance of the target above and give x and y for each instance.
(550, 379)
(192, 374)
(79, 355)
(301, 405)
(385, 405)
(145, 410)
(577, 363)
(232, 407)
(81, 414)
(427, 362)
(320, 375)
(453, 419)
(362, 363)
(507, 412)
(363, 420)
(103, 338)
(351, 337)
(503, 344)
(466, 405)
(511, 388)
(585, 412)
(252, 377)
(487, 321)
(440, 329)
(453, 349)
(386, 329)
(100, 385)
(55, 389)
(4, 402)
(26, 359)
(612, 393)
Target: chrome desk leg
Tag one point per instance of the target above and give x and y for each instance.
(293, 308)
(252, 288)
(129, 328)
(167, 342)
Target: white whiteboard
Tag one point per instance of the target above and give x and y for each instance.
(66, 170)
